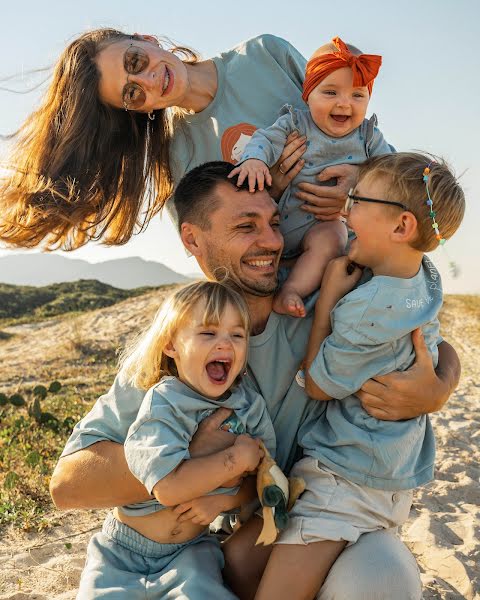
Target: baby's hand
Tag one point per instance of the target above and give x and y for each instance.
(256, 171)
(248, 452)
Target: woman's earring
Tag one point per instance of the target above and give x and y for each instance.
(151, 115)
(245, 372)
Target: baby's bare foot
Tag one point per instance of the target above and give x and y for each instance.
(288, 302)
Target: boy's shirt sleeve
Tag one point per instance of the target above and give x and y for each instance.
(158, 441)
(359, 348)
(109, 419)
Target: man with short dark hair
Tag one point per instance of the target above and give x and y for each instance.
(231, 230)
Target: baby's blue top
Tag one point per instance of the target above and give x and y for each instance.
(158, 440)
(322, 151)
(371, 335)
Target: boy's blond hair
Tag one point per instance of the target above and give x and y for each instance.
(144, 362)
(404, 173)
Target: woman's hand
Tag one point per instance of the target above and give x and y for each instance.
(288, 165)
(406, 394)
(325, 202)
(203, 510)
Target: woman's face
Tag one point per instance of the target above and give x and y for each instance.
(164, 79)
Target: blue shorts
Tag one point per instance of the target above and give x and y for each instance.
(123, 564)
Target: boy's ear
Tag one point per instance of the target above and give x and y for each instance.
(170, 351)
(406, 229)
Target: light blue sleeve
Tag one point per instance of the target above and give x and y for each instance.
(347, 359)
(157, 442)
(109, 419)
(379, 145)
(267, 144)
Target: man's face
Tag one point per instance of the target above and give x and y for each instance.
(243, 240)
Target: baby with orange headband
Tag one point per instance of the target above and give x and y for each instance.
(337, 88)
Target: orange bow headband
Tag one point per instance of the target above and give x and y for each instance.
(365, 67)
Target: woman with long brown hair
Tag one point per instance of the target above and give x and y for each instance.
(124, 118)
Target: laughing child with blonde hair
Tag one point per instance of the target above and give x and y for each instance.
(189, 362)
(360, 471)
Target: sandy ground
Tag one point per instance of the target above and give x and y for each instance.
(443, 530)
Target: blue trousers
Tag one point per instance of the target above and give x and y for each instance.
(122, 564)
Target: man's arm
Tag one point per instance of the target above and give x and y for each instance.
(96, 477)
(395, 396)
(99, 477)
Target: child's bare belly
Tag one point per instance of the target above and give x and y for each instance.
(162, 526)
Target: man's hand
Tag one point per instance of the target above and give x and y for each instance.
(406, 394)
(255, 171)
(326, 202)
(203, 510)
(209, 438)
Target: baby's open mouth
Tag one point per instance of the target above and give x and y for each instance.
(340, 118)
(218, 370)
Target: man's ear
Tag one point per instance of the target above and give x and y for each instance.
(190, 235)
(170, 351)
(406, 229)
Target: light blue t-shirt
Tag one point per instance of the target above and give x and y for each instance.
(322, 151)
(255, 79)
(371, 335)
(158, 440)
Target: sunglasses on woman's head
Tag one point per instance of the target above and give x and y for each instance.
(135, 60)
(351, 199)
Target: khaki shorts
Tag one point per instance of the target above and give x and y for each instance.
(333, 508)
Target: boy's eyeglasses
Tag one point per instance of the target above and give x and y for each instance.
(135, 60)
(351, 199)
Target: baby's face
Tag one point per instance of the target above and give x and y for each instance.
(337, 107)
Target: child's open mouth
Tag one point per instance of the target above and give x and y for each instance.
(340, 118)
(218, 370)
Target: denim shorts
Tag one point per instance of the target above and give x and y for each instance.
(123, 564)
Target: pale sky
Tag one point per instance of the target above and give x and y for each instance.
(426, 97)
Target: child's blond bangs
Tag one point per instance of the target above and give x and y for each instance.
(143, 363)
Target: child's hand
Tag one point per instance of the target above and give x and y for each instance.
(340, 277)
(203, 510)
(257, 173)
(248, 452)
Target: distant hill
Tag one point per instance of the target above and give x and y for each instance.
(29, 303)
(45, 269)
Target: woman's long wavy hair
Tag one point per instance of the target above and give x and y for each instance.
(81, 170)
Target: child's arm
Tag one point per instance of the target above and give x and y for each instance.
(205, 509)
(256, 172)
(198, 476)
(262, 152)
(337, 282)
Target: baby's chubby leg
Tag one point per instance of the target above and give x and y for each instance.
(322, 242)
